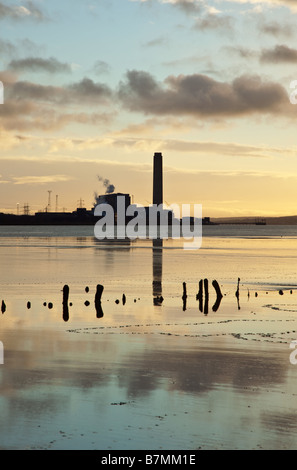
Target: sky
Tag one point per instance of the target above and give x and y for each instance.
(93, 88)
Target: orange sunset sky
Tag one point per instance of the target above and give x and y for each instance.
(95, 87)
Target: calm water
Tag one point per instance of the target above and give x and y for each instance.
(147, 374)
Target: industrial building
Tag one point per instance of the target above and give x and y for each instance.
(83, 216)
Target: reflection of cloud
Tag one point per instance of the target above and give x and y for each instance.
(198, 371)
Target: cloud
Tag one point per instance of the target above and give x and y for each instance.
(276, 29)
(41, 179)
(188, 6)
(25, 90)
(196, 6)
(101, 67)
(7, 48)
(242, 52)
(31, 105)
(279, 54)
(38, 64)
(201, 96)
(88, 89)
(159, 41)
(214, 22)
(18, 12)
(26, 116)
(85, 91)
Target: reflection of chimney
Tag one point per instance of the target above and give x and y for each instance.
(158, 179)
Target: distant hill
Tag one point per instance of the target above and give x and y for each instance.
(287, 220)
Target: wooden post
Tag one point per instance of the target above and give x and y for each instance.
(184, 297)
(199, 296)
(98, 295)
(206, 299)
(219, 296)
(65, 302)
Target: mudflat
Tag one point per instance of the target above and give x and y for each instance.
(154, 370)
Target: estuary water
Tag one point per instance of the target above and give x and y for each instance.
(156, 368)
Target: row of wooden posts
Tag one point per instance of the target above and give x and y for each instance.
(202, 297)
(203, 285)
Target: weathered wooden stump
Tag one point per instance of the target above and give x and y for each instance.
(219, 294)
(98, 306)
(206, 296)
(199, 296)
(184, 296)
(65, 303)
(237, 291)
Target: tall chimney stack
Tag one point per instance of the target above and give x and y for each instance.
(158, 179)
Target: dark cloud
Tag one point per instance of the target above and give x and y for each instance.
(25, 90)
(27, 116)
(276, 55)
(88, 89)
(28, 10)
(7, 48)
(33, 106)
(279, 54)
(214, 22)
(276, 29)
(84, 92)
(156, 42)
(201, 96)
(188, 6)
(101, 67)
(37, 64)
(239, 51)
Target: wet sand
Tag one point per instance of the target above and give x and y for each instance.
(146, 376)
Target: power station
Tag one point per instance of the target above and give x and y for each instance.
(158, 179)
(83, 216)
